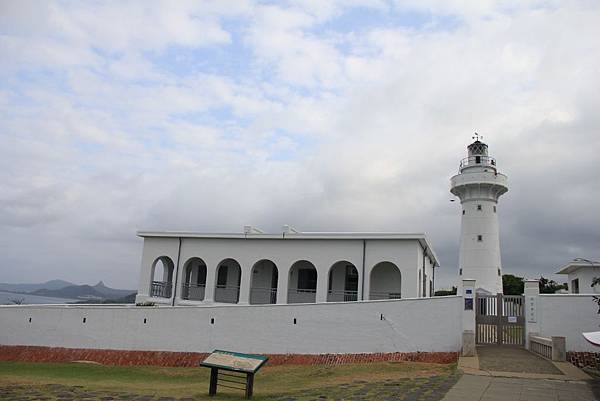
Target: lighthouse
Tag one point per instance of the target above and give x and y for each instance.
(479, 185)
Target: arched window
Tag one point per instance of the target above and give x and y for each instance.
(302, 283)
(343, 282)
(386, 281)
(229, 275)
(162, 277)
(194, 281)
(263, 282)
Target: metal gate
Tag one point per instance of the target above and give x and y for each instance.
(500, 319)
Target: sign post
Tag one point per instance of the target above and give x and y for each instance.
(236, 362)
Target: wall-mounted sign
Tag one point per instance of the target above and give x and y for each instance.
(531, 306)
(468, 303)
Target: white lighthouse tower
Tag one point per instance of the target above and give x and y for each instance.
(479, 185)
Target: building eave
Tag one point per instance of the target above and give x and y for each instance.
(421, 237)
(571, 267)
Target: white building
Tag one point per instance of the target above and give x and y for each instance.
(581, 273)
(182, 268)
(479, 185)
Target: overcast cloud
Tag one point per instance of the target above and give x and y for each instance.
(339, 115)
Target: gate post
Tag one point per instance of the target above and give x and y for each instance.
(499, 319)
(468, 317)
(532, 295)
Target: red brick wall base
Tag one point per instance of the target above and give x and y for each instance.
(584, 359)
(166, 358)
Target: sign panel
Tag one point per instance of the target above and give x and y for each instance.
(512, 319)
(531, 306)
(468, 303)
(235, 361)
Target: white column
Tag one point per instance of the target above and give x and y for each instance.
(283, 275)
(245, 285)
(532, 297)
(209, 289)
(322, 278)
(468, 317)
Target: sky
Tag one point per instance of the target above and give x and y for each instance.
(324, 115)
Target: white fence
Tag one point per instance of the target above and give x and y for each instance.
(568, 315)
(407, 325)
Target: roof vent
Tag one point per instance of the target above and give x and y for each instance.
(287, 229)
(252, 230)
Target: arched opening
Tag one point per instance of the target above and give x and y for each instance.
(229, 274)
(386, 282)
(263, 283)
(162, 277)
(194, 281)
(343, 282)
(302, 284)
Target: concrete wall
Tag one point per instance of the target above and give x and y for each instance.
(323, 254)
(408, 325)
(568, 315)
(586, 276)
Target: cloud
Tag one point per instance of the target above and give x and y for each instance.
(328, 116)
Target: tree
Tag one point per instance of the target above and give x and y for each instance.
(512, 285)
(441, 293)
(551, 286)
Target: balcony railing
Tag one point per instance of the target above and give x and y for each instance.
(227, 293)
(298, 295)
(161, 289)
(193, 292)
(384, 295)
(482, 161)
(342, 296)
(260, 295)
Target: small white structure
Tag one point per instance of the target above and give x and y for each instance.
(479, 185)
(581, 273)
(183, 268)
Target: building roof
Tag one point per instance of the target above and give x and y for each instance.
(422, 238)
(577, 264)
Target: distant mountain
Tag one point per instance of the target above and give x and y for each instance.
(48, 285)
(72, 291)
(111, 293)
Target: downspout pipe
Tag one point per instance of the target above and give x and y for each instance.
(362, 281)
(176, 273)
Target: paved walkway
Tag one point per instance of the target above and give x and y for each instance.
(515, 374)
(431, 388)
(513, 359)
(489, 388)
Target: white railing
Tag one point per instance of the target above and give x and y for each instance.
(374, 295)
(193, 292)
(477, 161)
(299, 296)
(261, 295)
(551, 348)
(341, 296)
(161, 289)
(227, 293)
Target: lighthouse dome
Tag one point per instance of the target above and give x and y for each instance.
(478, 148)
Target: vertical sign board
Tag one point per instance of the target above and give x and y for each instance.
(531, 309)
(469, 299)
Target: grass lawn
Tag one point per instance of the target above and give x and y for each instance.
(270, 383)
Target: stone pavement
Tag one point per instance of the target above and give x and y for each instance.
(515, 374)
(490, 388)
(411, 389)
(513, 359)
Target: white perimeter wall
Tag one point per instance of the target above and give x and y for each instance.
(409, 325)
(569, 315)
